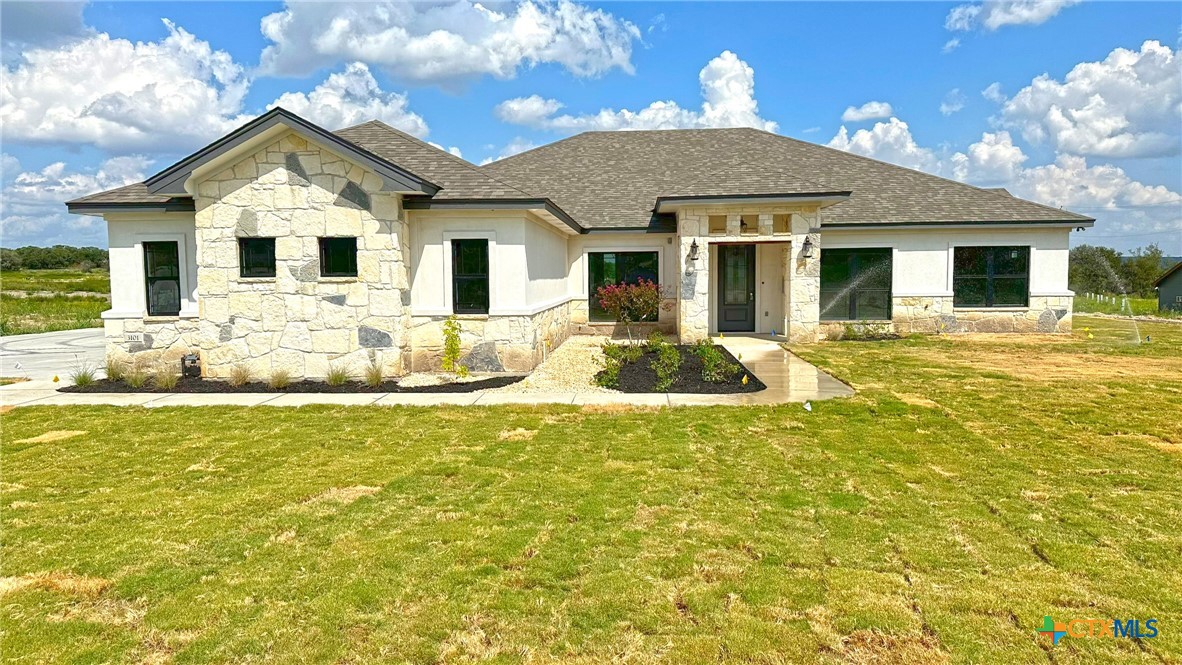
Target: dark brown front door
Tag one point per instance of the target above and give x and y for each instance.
(736, 288)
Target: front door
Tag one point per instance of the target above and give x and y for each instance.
(736, 288)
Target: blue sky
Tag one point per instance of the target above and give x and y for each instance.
(1071, 104)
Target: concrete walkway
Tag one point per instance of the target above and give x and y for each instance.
(788, 379)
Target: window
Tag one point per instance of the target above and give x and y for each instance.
(716, 224)
(781, 224)
(162, 277)
(338, 257)
(990, 276)
(469, 276)
(749, 225)
(617, 268)
(256, 257)
(856, 284)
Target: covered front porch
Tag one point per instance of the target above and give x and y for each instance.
(754, 271)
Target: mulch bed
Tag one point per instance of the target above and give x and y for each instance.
(196, 385)
(640, 377)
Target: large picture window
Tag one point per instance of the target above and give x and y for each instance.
(256, 257)
(338, 257)
(469, 276)
(856, 284)
(162, 277)
(617, 268)
(991, 276)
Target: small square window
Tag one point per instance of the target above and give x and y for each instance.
(338, 257)
(781, 224)
(749, 225)
(717, 224)
(256, 257)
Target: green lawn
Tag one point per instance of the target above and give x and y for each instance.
(970, 488)
(35, 301)
(1139, 306)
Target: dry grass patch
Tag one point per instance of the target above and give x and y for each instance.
(916, 400)
(470, 644)
(517, 434)
(52, 435)
(76, 585)
(1061, 366)
(343, 495)
(868, 646)
(108, 611)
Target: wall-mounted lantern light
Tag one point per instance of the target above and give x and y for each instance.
(693, 253)
(806, 250)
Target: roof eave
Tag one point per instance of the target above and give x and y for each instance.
(427, 203)
(1069, 223)
(1173, 269)
(171, 181)
(101, 208)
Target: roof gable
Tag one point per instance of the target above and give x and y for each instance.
(172, 181)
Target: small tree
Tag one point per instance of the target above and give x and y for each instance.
(451, 347)
(631, 303)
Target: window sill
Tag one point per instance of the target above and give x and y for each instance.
(256, 280)
(1008, 308)
(337, 279)
(471, 317)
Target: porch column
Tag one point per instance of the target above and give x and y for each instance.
(693, 294)
(804, 279)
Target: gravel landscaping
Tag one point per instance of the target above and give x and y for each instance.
(195, 385)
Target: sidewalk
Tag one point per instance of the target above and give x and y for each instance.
(788, 378)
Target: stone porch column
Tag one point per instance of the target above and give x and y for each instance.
(804, 279)
(693, 294)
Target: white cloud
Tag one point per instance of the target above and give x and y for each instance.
(32, 210)
(993, 93)
(517, 145)
(123, 96)
(954, 101)
(352, 97)
(1128, 105)
(951, 45)
(449, 42)
(728, 92)
(992, 161)
(867, 111)
(29, 25)
(1071, 182)
(889, 141)
(994, 14)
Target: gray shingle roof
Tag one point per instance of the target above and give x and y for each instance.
(459, 178)
(606, 179)
(613, 179)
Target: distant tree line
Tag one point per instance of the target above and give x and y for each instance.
(56, 257)
(1104, 270)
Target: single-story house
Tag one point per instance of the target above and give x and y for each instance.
(284, 245)
(1169, 289)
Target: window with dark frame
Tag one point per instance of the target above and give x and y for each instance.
(856, 284)
(991, 276)
(607, 268)
(162, 278)
(469, 276)
(256, 257)
(338, 257)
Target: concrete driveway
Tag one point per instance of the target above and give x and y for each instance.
(43, 355)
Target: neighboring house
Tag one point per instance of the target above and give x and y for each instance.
(1169, 289)
(283, 245)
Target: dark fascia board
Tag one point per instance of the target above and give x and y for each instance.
(98, 208)
(427, 203)
(172, 179)
(1173, 269)
(894, 225)
(796, 196)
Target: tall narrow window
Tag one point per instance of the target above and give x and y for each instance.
(856, 284)
(617, 268)
(338, 257)
(469, 276)
(162, 277)
(256, 257)
(990, 276)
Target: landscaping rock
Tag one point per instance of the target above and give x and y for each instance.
(483, 358)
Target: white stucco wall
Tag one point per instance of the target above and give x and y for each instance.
(125, 234)
(923, 258)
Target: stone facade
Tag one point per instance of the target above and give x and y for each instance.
(492, 343)
(802, 295)
(581, 323)
(296, 321)
(911, 314)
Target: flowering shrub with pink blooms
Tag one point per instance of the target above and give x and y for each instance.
(631, 303)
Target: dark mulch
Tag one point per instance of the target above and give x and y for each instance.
(195, 385)
(640, 377)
